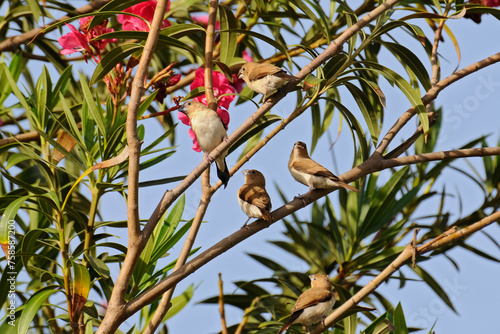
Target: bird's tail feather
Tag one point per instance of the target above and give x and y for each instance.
(266, 216)
(284, 328)
(345, 185)
(222, 171)
(293, 317)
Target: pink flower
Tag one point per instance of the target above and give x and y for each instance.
(74, 41)
(221, 86)
(145, 10)
(492, 3)
(184, 119)
(82, 40)
(476, 17)
(174, 80)
(248, 57)
(203, 20)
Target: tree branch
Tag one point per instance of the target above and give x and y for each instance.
(440, 241)
(137, 241)
(410, 141)
(209, 54)
(443, 155)
(431, 95)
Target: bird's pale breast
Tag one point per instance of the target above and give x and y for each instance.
(314, 314)
(209, 130)
(249, 209)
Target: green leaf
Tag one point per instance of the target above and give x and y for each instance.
(158, 182)
(92, 105)
(61, 87)
(14, 87)
(32, 306)
(353, 126)
(98, 265)
(9, 215)
(228, 39)
(411, 93)
(164, 240)
(399, 321)
(410, 60)
(282, 48)
(366, 109)
(112, 58)
(36, 10)
(377, 325)
(81, 280)
(198, 91)
(181, 30)
(179, 302)
(15, 67)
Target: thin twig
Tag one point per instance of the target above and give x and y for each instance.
(244, 321)
(414, 245)
(221, 307)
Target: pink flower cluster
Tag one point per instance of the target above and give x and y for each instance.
(145, 10)
(476, 17)
(221, 86)
(81, 40)
(203, 20)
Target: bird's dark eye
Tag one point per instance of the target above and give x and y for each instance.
(243, 69)
(188, 104)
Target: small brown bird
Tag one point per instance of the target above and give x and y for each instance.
(210, 132)
(314, 304)
(307, 171)
(264, 78)
(253, 197)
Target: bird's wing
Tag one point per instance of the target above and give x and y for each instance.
(264, 70)
(255, 195)
(312, 297)
(311, 167)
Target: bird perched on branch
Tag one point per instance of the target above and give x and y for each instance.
(314, 304)
(210, 132)
(253, 197)
(263, 78)
(307, 171)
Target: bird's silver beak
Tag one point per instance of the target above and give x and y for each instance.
(240, 75)
(245, 172)
(182, 109)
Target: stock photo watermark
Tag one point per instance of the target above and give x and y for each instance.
(11, 267)
(427, 314)
(486, 88)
